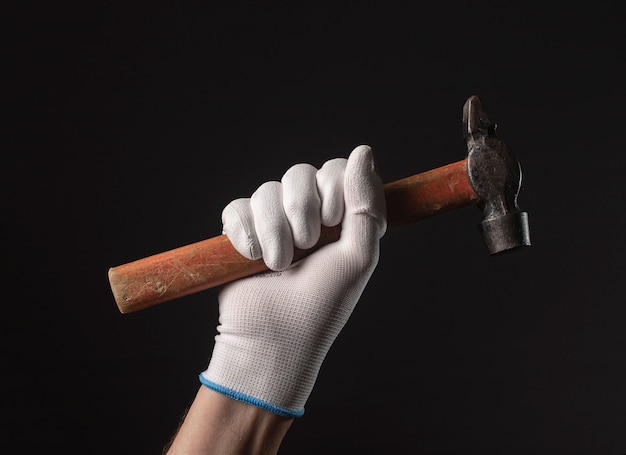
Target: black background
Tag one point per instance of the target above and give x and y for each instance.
(128, 127)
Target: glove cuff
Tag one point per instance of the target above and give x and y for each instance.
(273, 374)
(284, 412)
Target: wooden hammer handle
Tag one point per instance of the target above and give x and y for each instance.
(209, 263)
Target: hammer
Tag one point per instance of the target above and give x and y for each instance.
(489, 177)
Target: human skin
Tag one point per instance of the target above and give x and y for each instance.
(216, 424)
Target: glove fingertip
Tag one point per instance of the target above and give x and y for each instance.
(330, 181)
(278, 261)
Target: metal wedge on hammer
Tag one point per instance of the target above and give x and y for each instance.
(489, 177)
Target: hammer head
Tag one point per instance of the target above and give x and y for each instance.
(496, 177)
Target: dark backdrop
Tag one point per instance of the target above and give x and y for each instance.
(128, 128)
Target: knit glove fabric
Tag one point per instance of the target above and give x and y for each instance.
(275, 328)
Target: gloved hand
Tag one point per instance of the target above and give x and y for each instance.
(275, 328)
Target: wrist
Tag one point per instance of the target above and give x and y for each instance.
(257, 372)
(217, 424)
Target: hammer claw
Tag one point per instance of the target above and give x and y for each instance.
(476, 119)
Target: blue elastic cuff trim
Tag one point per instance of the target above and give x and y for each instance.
(251, 400)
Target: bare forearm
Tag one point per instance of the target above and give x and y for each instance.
(216, 424)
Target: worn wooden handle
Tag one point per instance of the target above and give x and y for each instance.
(209, 263)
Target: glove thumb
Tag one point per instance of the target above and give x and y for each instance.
(365, 218)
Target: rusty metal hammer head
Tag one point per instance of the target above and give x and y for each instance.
(496, 177)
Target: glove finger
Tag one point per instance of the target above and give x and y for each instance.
(301, 204)
(238, 226)
(365, 218)
(330, 188)
(271, 226)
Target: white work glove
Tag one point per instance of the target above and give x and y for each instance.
(277, 327)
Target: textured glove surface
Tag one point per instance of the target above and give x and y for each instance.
(276, 328)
